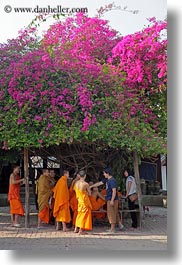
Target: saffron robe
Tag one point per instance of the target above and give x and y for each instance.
(14, 199)
(96, 205)
(61, 209)
(84, 216)
(73, 203)
(43, 190)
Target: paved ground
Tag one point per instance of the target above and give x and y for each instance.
(152, 236)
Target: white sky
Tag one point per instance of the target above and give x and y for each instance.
(124, 22)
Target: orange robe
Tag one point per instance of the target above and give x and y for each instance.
(52, 183)
(73, 203)
(61, 209)
(44, 193)
(96, 205)
(103, 192)
(84, 216)
(14, 199)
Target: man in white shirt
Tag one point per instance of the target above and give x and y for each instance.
(131, 189)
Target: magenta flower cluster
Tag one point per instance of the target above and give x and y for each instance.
(81, 72)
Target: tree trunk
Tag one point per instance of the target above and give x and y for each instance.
(137, 178)
(26, 176)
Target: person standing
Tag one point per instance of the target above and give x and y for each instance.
(73, 200)
(111, 198)
(52, 179)
(61, 210)
(16, 207)
(44, 192)
(52, 182)
(98, 201)
(84, 215)
(131, 189)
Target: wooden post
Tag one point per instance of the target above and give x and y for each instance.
(26, 176)
(137, 178)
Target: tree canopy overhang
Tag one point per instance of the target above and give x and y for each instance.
(79, 85)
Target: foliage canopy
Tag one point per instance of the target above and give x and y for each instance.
(84, 83)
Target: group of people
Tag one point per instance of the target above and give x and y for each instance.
(58, 201)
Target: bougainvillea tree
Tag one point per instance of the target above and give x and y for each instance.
(84, 83)
(141, 59)
(53, 86)
(11, 53)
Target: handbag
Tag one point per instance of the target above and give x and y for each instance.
(133, 197)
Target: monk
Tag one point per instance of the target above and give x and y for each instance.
(52, 180)
(16, 208)
(84, 216)
(44, 192)
(61, 209)
(73, 199)
(98, 201)
(52, 183)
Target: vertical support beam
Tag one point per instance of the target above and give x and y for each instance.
(137, 178)
(26, 176)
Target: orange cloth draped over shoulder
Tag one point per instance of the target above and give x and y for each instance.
(73, 203)
(14, 199)
(84, 216)
(44, 193)
(96, 205)
(61, 209)
(103, 192)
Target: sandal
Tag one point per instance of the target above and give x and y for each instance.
(16, 225)
(82, 233)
